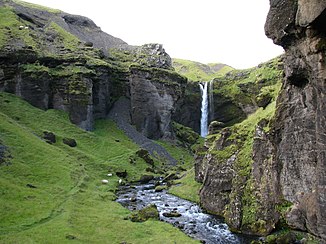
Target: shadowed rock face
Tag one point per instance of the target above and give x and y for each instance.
(300, 122)
(153, 100)
(288, 161)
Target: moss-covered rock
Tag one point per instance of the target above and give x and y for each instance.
(148, 212)
(161, 188)
(185, 134)
(196, 71)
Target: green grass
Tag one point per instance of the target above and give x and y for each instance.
(69, 201)
(187, 188)
(196, 71)
(246, 86)
(69, 40)
(36, 6)
(9, 29)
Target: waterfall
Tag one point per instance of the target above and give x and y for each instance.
(211, 100)
(207, 107)
(204, 110)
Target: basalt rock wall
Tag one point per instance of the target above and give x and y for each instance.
(55, 60)
(300, 121)
(153, 95)
(274, 173)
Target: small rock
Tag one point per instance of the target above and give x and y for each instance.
(122, 174)
(144, 154)
(146, 178)
(160, 188)
(70, 237)
(172, 214)
(30, 186)
(70, 142)
(133, 199)
(88, 44)
(49, 137)
(144, 214)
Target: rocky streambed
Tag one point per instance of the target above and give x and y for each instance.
(181, 213)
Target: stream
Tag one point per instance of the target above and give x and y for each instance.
(193, 221)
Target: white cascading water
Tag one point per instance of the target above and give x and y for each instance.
(211, 100)
(204, 109)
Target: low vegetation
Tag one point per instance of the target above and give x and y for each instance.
(196, 71)
(52, 193)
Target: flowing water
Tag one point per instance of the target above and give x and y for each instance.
(211, 100)
(193, 221)
(204, 109)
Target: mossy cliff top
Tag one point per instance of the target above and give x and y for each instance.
(196, 71)
(58, 60)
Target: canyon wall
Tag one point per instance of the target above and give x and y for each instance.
(270, 169)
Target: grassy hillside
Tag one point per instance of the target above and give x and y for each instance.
(52, 193)
(196, 71)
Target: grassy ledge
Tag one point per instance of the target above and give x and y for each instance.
(67, 201)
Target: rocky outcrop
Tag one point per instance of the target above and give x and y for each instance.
(154, 94)
(259, 174)
(56, 60)
(187, 109)
(299, 128)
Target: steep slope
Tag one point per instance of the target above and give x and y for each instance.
(52, 193)
(56, 60)
(196, 71)
(236, 94)
(269, 170)
(300, 116)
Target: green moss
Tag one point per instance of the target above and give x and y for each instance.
(35, 68)
(291, 236)
(10, 29)
(186, 134)
(68, 40)
(183, 155)
(161, 188)
(69, 196)
(251, 85)
(187, 187)
(36, 6)
(200, 72)
(148, 212)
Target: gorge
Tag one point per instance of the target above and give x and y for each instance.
(135, 113)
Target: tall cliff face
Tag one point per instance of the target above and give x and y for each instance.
(299, 128)
(56, 60)
(154, 94)
(271, 167)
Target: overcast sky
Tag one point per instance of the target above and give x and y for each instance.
(207, 31)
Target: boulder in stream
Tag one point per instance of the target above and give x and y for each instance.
(172, 214)
(148, 212)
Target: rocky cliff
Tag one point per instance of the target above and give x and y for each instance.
(270, 169)
(298, 137)
(56, 60)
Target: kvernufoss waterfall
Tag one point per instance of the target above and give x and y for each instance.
(106, 142)
(207, 106)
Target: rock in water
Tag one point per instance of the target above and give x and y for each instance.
(172, 214)
(148, 212)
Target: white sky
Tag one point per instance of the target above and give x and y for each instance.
(207, 31)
